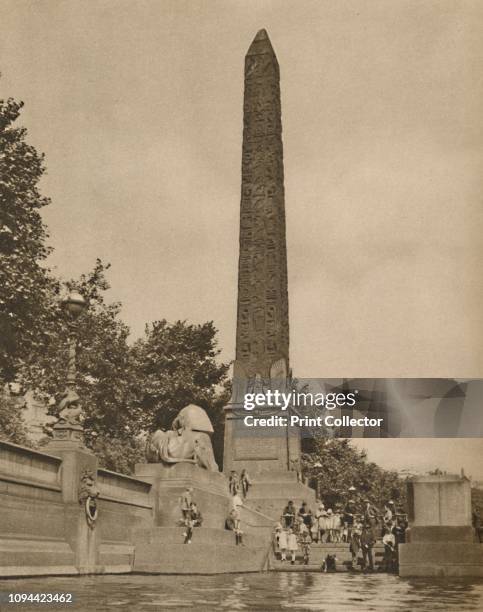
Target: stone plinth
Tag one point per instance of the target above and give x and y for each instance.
(260, 450)
(441, 538)
(210, 492)
(68, 434)
(441, 500)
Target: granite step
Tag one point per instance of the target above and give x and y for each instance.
(285, 491)
(300, 567)
(206, 535)
(318, 553)
(198, 558)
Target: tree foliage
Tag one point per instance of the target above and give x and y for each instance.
(12, 425)
(177, 364)
(26, 288)
(334, 465)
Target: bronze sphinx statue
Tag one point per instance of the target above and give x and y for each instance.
(189, 440)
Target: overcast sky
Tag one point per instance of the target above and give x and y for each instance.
(138, 108)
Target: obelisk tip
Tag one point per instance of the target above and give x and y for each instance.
(261, 44)
(261, 35)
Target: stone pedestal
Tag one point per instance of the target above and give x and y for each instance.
(76, 461)
(258, 449)
(441, 538)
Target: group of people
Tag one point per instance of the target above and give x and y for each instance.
(288, 541)
(360, 527)
(190, 515)
(322, 526)
(239, 483)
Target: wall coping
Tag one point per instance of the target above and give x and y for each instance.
(29, 451)
(125, 502)
(439, 478)
(109, 473)
(30, 483)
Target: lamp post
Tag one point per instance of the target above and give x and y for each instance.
(316, 466)
(68, 429)
(74, 305)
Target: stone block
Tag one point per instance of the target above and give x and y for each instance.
(35, 557)
(199, 558)
(441, 500)
(440, 559)
(441, 534)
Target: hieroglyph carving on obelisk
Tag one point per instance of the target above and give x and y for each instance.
(262, 333)
(262, 337)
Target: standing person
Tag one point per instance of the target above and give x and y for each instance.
(349, 513)
(330, 525)
(309, 522)
(399, 531)
(289, 515)
(238, 535)
(292, 545)
(337, 526)
(305, 545)
(316, 530)
(276, 537)
(367, 543)
(355, 541)
(234, 483)
(185, 502)
(345, 533)
(282, 544)
(389, 541)
(389, 513)
(300, 526)
(476, 519)
(303, 510)
(370, 513)
(234, 523)
(245, 482)
(323, 522)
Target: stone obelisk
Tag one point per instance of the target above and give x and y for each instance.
(262, 334)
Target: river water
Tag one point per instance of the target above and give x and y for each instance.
(267, 591)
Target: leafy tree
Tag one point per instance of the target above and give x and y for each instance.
(105, 369)
(177, 365)
(12, 424)
(119, 454)
(26, 289)
(334, 465)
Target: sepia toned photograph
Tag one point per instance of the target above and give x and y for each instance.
(241, 329)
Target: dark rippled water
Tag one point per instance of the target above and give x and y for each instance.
(273, 591)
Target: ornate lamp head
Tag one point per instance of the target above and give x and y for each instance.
(74, 304)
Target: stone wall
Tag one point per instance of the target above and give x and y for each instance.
(44, 529)
(441, 539)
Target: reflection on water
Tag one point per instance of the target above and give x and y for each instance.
(274, 591)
